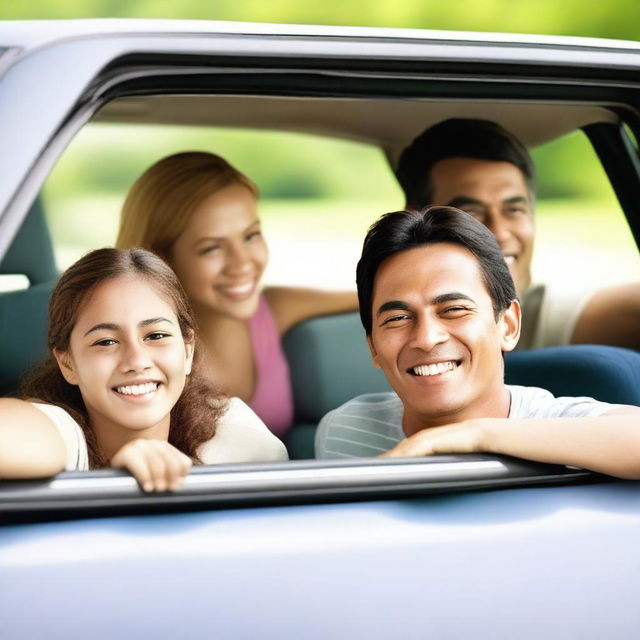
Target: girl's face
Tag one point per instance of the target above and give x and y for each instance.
(221, 255)
(128, 357)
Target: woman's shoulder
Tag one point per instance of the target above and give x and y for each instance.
(242, 437)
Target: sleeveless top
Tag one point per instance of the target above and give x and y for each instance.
(273, 396)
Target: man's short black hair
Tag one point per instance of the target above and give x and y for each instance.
(457, 138)
(402, 230)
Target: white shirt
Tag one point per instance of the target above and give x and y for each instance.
(240, 437)
(371, 424)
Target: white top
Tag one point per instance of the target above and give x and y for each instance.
(550, 313)
(240, 437)
(371, 424)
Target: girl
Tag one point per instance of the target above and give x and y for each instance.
(121, 386)
(200, 214)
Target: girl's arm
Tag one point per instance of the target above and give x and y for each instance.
(609, 443)
(291, 305)
(30, 444)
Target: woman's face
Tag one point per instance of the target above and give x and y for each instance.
(221, 255)
(128, 357)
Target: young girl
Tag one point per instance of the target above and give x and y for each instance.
(200, 214)
(121, 386)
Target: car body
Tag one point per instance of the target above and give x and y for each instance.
(446, 547)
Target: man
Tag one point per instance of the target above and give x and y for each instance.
(439, 308)
(479, 167)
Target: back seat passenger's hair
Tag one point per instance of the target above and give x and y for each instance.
(330, 364)
(23, 313)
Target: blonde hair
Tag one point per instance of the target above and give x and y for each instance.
(162, 199)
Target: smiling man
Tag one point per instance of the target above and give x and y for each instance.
(478, 166)
(440, 308)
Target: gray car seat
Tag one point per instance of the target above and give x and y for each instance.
(23, 313)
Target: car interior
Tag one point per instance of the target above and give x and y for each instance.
(321, 347)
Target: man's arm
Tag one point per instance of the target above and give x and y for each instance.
(609, 443)
(611, 316)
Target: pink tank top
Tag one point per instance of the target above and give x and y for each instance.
(273, 396)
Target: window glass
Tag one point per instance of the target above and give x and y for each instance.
(318, 196)
(582, 236)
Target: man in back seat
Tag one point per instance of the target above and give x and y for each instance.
(439, 308)
(479, 167)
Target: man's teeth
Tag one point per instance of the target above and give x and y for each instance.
(138, 389)
(433, 369)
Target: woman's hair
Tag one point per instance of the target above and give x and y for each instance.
(195, 414)
(160, 202)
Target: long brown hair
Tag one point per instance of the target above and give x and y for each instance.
(161, 201)
(193, 417)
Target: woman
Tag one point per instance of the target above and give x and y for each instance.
(121, 386)
(200, 214)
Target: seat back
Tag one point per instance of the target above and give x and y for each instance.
(330, 364)
(608, 374)
(23, 313)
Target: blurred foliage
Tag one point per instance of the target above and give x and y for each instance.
(289, 165)
(284, 165)
(611, 19)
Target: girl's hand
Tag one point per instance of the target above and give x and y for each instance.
(464, 437)
(155, 464)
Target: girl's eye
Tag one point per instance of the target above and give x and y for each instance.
(105, 342)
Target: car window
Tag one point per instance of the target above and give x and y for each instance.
(582, 237)
(319, 195)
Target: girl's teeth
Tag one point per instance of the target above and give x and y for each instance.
(138, 389)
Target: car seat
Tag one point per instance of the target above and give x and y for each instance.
(23, 313)
(330, 364)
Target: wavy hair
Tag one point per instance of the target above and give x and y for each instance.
(195, 414)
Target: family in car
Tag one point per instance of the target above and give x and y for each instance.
(128, 381)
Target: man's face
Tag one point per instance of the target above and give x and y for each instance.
(435, 336)
(497, 195)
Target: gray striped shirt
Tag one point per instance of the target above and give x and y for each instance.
(372, 423)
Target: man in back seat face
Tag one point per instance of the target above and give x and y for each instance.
(439, 308)
(478, 166)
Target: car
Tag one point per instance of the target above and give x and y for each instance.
(449, 546)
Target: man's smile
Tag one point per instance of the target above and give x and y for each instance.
(434, 369)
